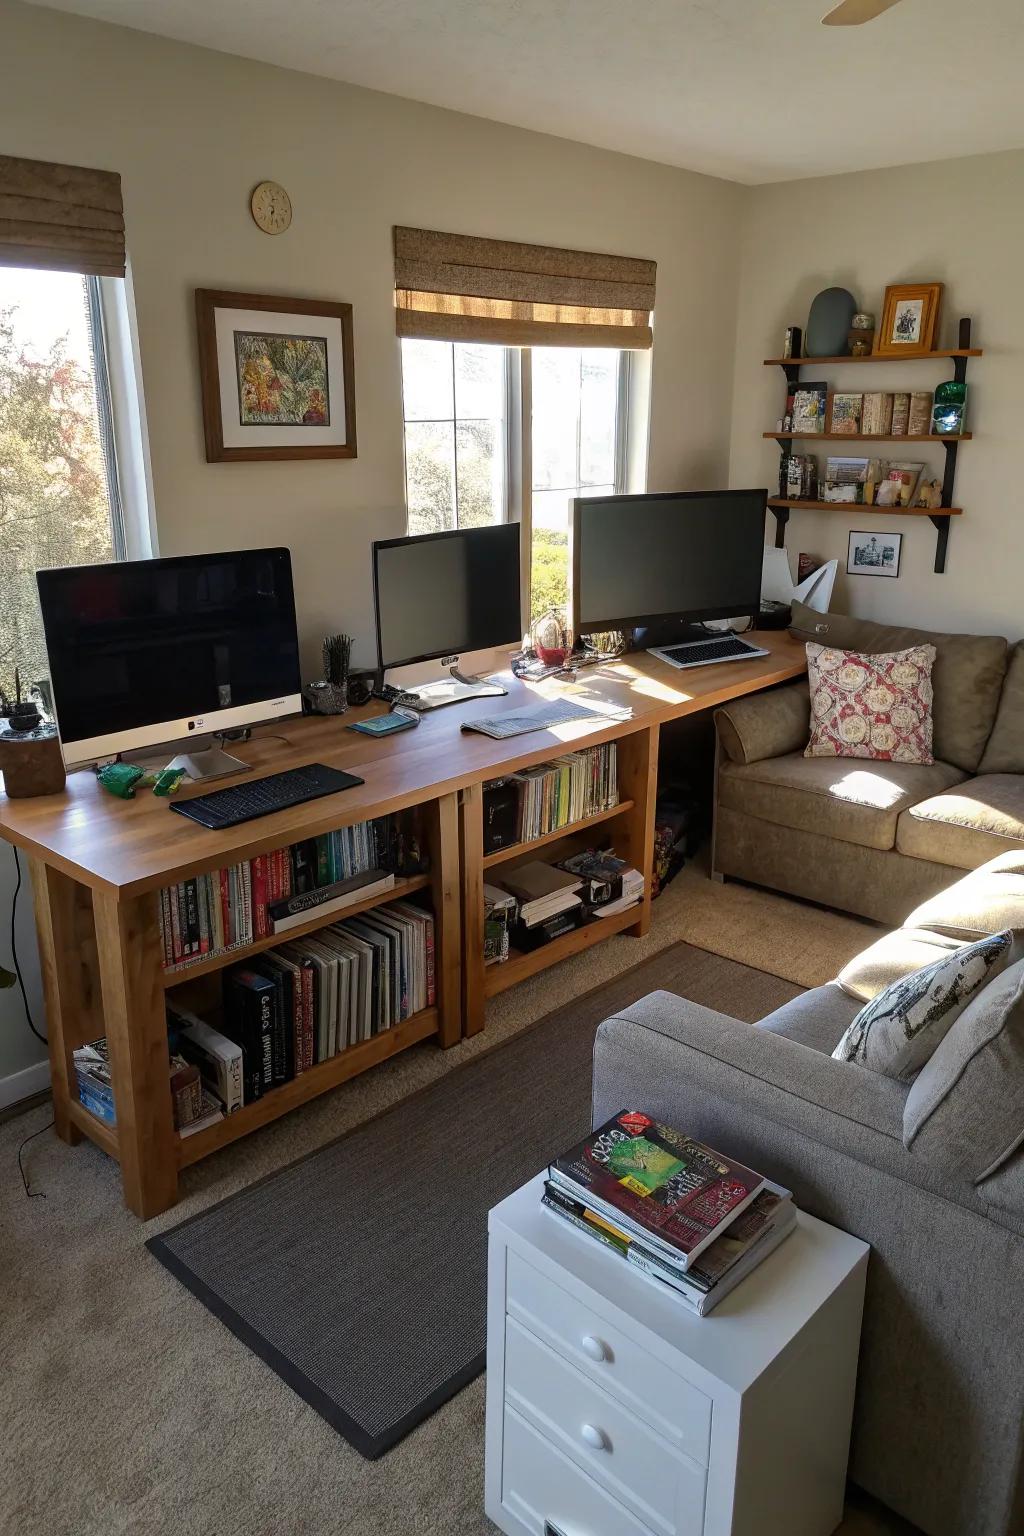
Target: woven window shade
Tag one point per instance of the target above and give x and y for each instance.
(63, 217)
(461, 288)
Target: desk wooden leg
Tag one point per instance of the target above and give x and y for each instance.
(131, 959)
(471, 841)
(638, 781)
(67, 954)
(444, 866)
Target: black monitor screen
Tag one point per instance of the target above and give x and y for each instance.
(142, 642)
(443, 593)
(693, 556)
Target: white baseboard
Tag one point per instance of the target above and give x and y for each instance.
(22, 1085)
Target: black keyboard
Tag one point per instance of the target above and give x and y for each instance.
(262, 797)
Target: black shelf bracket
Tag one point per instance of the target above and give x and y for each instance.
(942, 529)
(781, 516)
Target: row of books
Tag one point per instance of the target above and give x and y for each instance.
(566, 790)
(258, 897)
(694, 1222)
(92, 1078)
(290, 1008)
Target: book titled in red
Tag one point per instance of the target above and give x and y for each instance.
(678, 1191)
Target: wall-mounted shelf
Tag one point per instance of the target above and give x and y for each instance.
(873, 437)
(940, 516)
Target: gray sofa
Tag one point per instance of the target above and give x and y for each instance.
(873, 837)
(938, 1433)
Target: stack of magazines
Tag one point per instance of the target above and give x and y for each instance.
(691, 1220)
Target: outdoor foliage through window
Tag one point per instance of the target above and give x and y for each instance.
(54, 500)
(455, 444)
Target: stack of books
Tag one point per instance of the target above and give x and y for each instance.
(566, 790)
(608, 884)
(92, 1075)
(548, 902)
(288, 1009)
(694, 1222)
(259, 897)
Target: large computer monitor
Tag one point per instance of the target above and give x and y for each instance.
(144, 652)
(447, 605)
(659, 562)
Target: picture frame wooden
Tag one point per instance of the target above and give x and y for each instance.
(277, 377)
(874, 554)
(910, 318)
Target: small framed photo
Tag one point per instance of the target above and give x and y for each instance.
(874, 554)
(910, 318)
(277, 377)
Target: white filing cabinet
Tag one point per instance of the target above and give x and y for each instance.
(612, 1410)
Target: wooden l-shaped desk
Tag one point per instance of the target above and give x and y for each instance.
(98, 865)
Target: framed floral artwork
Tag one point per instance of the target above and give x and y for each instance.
(277, 377)
(910, 318)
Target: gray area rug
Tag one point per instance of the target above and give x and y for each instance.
(359, 1274)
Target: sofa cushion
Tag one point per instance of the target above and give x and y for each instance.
(1005, 750)
(894, 956)
(900, 1029)
(967, 677)
(857, 802)
(967, 1105)
(965, 826)
(986, 900)
(765, 724)
(871, 706)
(817, 1019)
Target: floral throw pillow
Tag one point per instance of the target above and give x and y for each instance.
(871, 706)
(898, 1031)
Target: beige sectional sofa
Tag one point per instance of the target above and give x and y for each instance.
(870, 837)
(930, 1173)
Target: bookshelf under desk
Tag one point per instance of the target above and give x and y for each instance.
(98, 866)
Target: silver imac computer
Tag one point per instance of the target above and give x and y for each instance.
(448, 609)
(148, 652)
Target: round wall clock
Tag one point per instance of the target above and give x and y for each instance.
(271, 208)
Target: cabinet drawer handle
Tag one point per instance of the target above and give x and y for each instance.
(595, 1438)
(597, 1349)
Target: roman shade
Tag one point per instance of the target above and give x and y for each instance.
(63, 217)
(463, 288)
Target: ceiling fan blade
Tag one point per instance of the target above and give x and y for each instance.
(854, 13)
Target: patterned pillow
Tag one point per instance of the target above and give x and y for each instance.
(896, 1032)
(871, 706)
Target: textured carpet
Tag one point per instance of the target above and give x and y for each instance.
(359, 1274)
(127, 1408)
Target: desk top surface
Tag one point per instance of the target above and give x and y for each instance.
(134, 845)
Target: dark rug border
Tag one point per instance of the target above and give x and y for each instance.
(370, 1446)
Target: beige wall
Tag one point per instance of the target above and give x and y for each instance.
(192, 131)
(960, 222)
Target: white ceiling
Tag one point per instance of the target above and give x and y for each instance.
(752, 90)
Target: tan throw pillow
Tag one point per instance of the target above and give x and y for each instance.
(892, 957)
(871, 706)
(896, 1032)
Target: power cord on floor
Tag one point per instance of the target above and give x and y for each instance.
(31, 1194)
(14, 949)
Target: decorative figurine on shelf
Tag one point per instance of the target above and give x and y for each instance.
(862, 335)
(551, 637)
(949, 408)
(929, 494)
(330, 697)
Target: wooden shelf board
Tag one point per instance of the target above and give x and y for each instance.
(501, 855)
(873, 437)
(877, 357)
(519, 966)
(870, 508)
(97, 1130)
(173, 976)
(308, 1085)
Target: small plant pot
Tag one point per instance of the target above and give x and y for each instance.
(326, 698)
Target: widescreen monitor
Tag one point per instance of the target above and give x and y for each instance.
(144, 652)
(642, 561)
